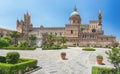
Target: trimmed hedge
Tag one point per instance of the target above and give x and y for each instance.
(56, 47)
(12, 57)
(20, 68)
(88, 49)
(2, 59)
(20, 48)
(101, 70)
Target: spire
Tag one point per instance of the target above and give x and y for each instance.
(17, 20)
(99, 14)
(99, 11)
(27, 13)
(75, 9)
(100, 17)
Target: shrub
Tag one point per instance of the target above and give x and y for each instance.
(56, 47)
(99, 57)
(20, 48)
(63, 53)
(2, 59)
(12, 57)
(20, 68)
(48, 47)
(103, 70)
(88, 49)
(64, 46)
(114, 57)
(7, 39)
(15, 45)
(3, 43)
(23, 44)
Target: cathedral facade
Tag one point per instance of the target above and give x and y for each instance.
(77, 34)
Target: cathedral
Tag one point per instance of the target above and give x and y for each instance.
(77, 34)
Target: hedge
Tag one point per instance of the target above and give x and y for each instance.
(2, 59)
(12, 57)
(19, 68)
(51, 47)
(88, 49)
(99, 70)
(20, 48)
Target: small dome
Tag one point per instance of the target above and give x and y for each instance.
(74, 13)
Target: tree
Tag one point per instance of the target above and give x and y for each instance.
(63, 39)
(50, 39)
(8, 39)
(23, 44)
(3, 43)
(57, 39)
(15, 35)
(32, 37)
(114, 58)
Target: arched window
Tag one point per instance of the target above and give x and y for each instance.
(93, 30)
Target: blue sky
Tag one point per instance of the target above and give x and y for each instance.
(55, 13)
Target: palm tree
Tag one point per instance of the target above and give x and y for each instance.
(15, 35)
(50, 39)
(57, 39)
(63, 39)
(32, 37)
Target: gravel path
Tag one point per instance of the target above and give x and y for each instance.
(79, 62)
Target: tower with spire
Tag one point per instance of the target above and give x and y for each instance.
(24, 26)
(100, 18)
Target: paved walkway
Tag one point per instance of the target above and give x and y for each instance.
(79, 62)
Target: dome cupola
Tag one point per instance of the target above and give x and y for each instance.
(74, 13)
(75, 17)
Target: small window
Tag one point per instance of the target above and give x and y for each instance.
(71, 31)
(73, 21)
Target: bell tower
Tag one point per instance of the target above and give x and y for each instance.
(100, 18)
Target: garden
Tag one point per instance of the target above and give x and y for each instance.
(13, 64)
(114, 58)
(11, 42)
(53, 42)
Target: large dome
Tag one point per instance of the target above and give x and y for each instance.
(74, 13)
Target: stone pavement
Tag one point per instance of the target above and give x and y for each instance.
(79, 62)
